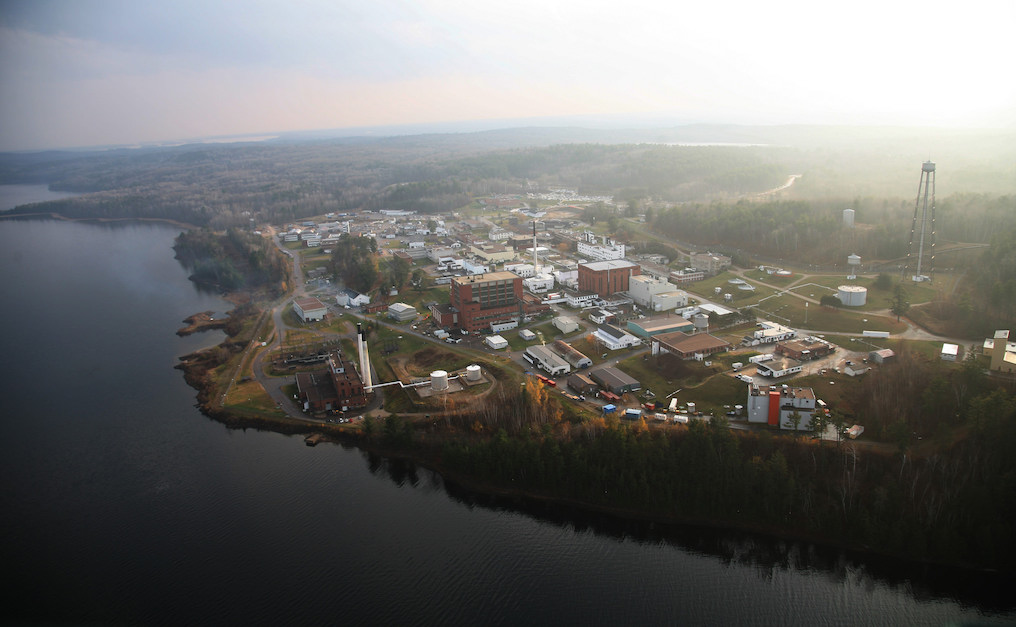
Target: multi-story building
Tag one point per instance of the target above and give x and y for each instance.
(774, 405)
(607, 277)
(600, 253)
(711, 263)
(480, 299)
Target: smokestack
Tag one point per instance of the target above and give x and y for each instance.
(536, 261)
(367, 381)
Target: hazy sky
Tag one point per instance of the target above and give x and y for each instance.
(92, 72)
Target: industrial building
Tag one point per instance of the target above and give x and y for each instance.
(401, 312)
(570, 354)
(773, 405)
(543, 357)
(310, 309)
(337, 388)
(711, 263)
(779, 368)
(615, 380)
(582, 384)
(351, 298)
(566, 324)
(606, 278)
(650, 327)
(1002, 352)
(614, 338)
(805, 348)
(478, 300)
(688, 346)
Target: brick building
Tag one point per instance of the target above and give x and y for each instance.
(480, 299)
(607, 277)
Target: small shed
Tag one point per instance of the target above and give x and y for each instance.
(527, 335)
(566, 324)
(950, 352)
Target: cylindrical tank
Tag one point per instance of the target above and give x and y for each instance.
(929, 166)
(691, 408)
(472, 373)
(701, 321)
(848, 217)
(728, 297)
(854, 260)
(853, 295)
(738, 408)
(439, 380)
(717, 290)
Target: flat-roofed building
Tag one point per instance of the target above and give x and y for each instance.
(803, 349)
(649, 327)
(401, 312)
(480, 299)
(607, 277)
(1002, 352)
(774, 405)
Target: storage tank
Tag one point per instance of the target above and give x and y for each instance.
(848, 217)
(701, 321)
(854, 260)
(691, 409)
(852, 295)
(472, 373)
(439, 380)
(717, 290)
(728, 297)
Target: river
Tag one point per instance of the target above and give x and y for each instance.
(124, 504)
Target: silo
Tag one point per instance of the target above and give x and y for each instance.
(472, 373)
(439, 380)
(852, 295)
(848, 217)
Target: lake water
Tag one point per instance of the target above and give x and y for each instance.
(12, 196)
(122, 503)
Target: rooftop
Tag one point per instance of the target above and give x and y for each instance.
(614, 264)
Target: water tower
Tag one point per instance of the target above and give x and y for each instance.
(853, 262)
(925, 191)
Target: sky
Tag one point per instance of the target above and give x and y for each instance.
(125, 72)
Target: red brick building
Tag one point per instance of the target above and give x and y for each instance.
(338, 388)
(607, 277)
(480, 299)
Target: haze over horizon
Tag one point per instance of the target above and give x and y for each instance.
(121, 72)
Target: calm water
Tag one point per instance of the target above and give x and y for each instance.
(12, 196)
(122, 503)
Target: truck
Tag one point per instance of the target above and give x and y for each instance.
(882, 334)
(673, 406)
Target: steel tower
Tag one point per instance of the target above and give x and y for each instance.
(925, 189)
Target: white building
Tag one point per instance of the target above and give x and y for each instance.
(669, 300)
(309, 309)
(615, 339)
(581, 300)
(601, 253)
(497, 234)
(524, 270)
(539, 284)
(496, 342)
(351, 298)
(768, 333)
(401, 312)
(474, 268)
(566, 324)
(642, 288)
(543, 357)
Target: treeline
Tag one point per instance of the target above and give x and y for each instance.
(232, 260)
(813, 231)
(956, 505)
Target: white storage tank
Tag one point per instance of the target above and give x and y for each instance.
(852, 295)
(848, 217)
(691, 409)
(439, 380)
(701, 321)
(472, 373)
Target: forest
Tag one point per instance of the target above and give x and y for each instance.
(232, 260)
(951, 503)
